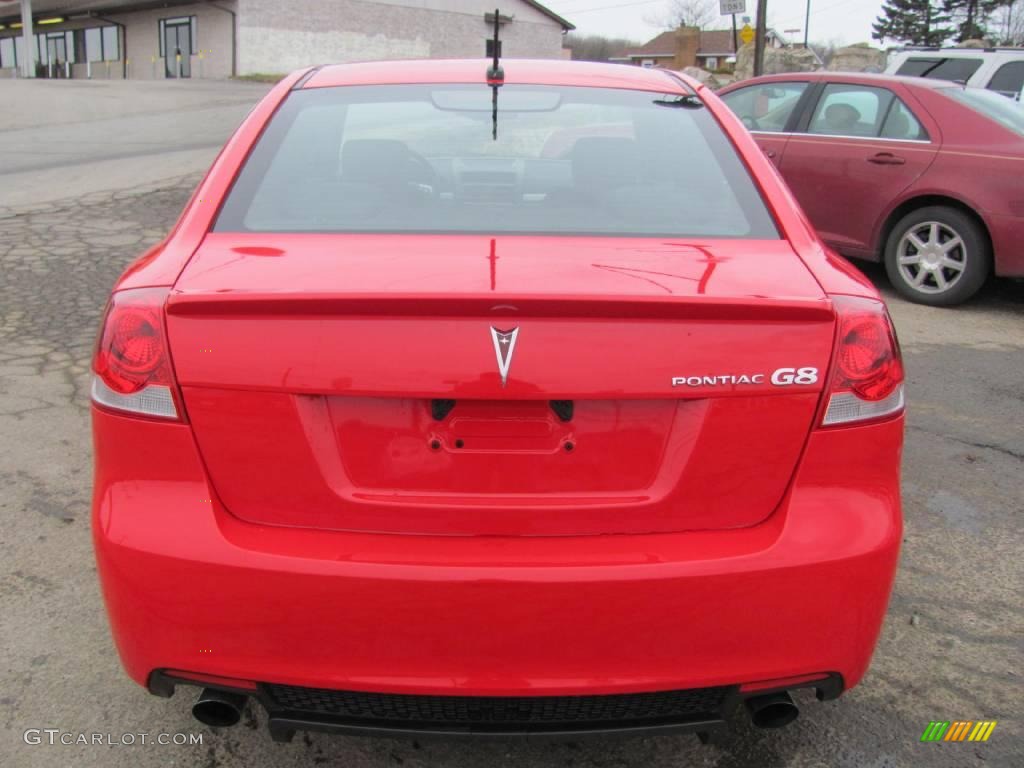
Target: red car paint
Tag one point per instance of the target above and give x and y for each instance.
(969, 161)
(304, 520)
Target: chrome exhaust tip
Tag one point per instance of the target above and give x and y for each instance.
(772, 710)
(219, 709)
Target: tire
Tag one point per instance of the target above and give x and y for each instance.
(938, 256)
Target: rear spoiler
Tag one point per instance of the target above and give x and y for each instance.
(411, 305)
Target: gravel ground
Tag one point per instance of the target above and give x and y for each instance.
(951, 648)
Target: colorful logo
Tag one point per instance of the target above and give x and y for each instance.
(958, 730)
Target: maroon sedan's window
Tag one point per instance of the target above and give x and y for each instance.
(863, 111)
(901, 124)
(765, 107)
(850, 110)
(552, 160)
(1007, 113)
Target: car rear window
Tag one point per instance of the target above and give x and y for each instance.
(424, 158)
(938, 68)
(1009, 114)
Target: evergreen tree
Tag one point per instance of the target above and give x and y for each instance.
(973, 15)
(915, 22)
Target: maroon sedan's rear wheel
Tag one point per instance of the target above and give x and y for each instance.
(938, 256)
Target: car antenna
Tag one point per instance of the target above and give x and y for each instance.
(495, 76)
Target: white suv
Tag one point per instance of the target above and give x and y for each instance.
(997, 69)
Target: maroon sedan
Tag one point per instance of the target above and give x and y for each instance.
(926, 175)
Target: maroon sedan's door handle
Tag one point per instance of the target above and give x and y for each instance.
(886, 158)
(769, 153)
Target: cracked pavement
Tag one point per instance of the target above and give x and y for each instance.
(952, 646)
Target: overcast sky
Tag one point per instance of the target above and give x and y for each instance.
(845, 21)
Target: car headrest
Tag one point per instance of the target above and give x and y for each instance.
(374, 160)
(606, 161)
(841, 117)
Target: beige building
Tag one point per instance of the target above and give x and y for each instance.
(112, 39)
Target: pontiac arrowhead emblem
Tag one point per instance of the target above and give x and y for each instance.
(504, 346)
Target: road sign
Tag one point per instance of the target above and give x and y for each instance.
(732, 6)
(746, 34)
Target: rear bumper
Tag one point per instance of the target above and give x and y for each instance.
(290, 709)
(189, 587)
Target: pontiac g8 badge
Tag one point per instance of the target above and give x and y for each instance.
(504, 346)
(780, 377)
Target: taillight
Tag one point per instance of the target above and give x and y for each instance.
(866, 381)
(132, 365)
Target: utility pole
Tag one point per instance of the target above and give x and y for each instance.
(807, 22)
(760, 32)
(29, 65)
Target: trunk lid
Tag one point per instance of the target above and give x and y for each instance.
(352, 382)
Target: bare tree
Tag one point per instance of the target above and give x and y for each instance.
(596, 47)
(686, 13)
(1007, 23)
(826, 50)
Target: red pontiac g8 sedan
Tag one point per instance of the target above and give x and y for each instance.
(495, 407)
(924, 175)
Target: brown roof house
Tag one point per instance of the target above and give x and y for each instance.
(689, 47)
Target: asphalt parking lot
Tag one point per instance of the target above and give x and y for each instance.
(60, 139)
(952, 646)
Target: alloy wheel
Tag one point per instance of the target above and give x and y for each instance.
(931, 257)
